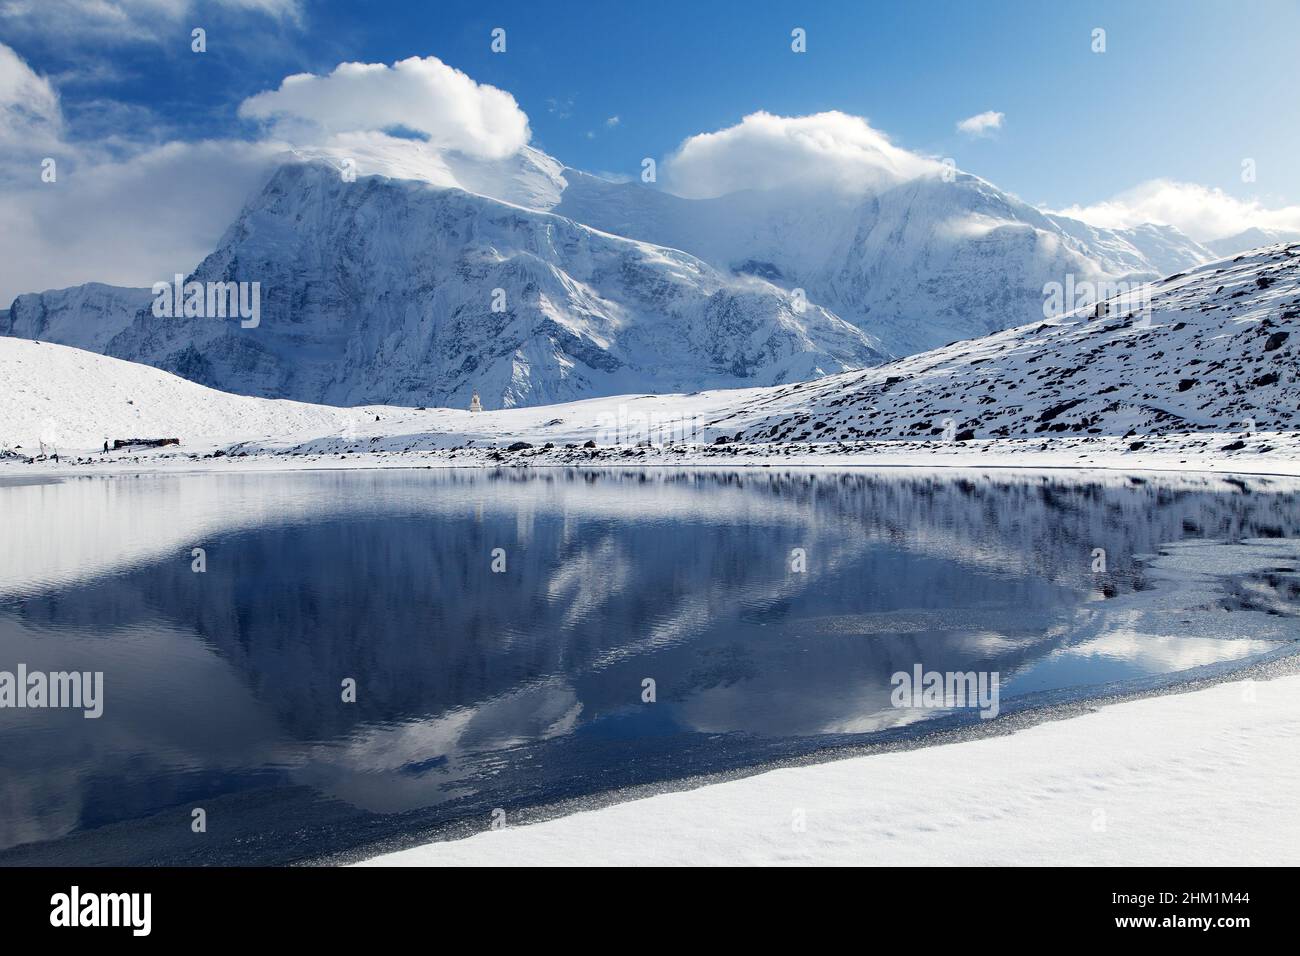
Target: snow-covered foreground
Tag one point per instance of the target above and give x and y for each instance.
(1201, 778)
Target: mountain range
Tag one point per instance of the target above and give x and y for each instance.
(429, 276)
(1194, 367)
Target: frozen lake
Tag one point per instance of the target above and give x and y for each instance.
(516, 638)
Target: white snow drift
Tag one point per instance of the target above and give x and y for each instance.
(1196, 779)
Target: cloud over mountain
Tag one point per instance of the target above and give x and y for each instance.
(765, 152)
(129, 214)
(1200, 211)
(421, 94)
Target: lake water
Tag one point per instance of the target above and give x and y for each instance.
(502, 630)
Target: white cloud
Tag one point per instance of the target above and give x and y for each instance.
(981, 124)
(612, 121)
(117, 211)
(30, 117)
(130, 21)
(766, 152)
(1202, 212)
(132, 212)
(128, 222)
(421, 93)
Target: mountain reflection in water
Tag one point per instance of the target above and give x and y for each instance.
(478, 690)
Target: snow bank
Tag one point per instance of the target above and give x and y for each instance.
(1201, 778)
(75, 400)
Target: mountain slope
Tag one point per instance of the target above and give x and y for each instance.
(73, 399)
(85, 316)
(1221, 348)
(1146, 250)
(383, 290)
(916, 265)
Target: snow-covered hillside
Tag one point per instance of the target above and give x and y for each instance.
(1219, 353)
(390, 291)
(70, 399)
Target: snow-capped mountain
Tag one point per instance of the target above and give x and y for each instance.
(1251, 238)
(1219, 360)
(1219, 349)
(528, 178)
(85, 316)
(384, 289)
(1138, 251)
(916, 265)
(396, 291)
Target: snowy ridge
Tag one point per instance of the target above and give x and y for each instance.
(70, 399)
(86, 316)
(382, 291)
(1251, 238)
(1147, 250)
(916, 265)
(529, 178)
(1221, 349)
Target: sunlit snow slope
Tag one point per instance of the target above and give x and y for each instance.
(1221, 348)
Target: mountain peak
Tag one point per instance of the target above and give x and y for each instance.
(528, 178)
(405, 291)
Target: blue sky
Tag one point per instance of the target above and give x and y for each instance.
(1184, 92)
